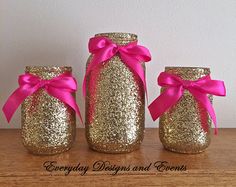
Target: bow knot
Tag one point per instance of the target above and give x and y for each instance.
(44, 83)
(118, 48)
(174, 90)
(59, 87)
(187, 84)
(131, 54)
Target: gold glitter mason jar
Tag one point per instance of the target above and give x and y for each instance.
(115, 107)
(181, 127)
(48, 124)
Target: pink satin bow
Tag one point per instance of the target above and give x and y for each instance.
(60, 87)
(174, 89)
(131, 54)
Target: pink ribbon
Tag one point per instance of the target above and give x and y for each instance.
(174, 90)
(131, 54)
(59, 87)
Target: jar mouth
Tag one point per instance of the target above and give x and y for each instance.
(188, 73)
(118, 35)
(186, 67)
(48, 68)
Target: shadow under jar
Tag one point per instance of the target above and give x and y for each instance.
(48, 124)
(181, 128)
(115, 101)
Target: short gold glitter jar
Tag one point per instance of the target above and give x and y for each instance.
(48, 124)
(181, 127)
(115, 107)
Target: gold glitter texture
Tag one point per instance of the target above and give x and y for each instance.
(181, 127)
(48, 125)
(115, 105)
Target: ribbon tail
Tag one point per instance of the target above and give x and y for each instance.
(87, 71)
(204, 100)
(15, 99)
(84, 85)
(91, 66)
(65, 97)
(166, 100)
(100, 55)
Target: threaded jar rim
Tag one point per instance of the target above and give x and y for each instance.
(48, 68)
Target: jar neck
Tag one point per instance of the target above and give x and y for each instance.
(188, 73)
(47, 72)
(119, 37)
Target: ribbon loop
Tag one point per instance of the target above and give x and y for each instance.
(59, 87)
(28, 79)
(43, 83)
(131, 54)
(174, 89)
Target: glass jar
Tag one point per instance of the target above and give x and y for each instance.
(115, 112)
(48, 124)
(185, 128)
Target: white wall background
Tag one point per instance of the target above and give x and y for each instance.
(177, 32)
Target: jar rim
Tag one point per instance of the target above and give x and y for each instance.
(186, 67)
(46, 66)
(118, 34)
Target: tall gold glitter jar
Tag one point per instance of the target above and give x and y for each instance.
(181, 128)
(115, 107)
(48, 124)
